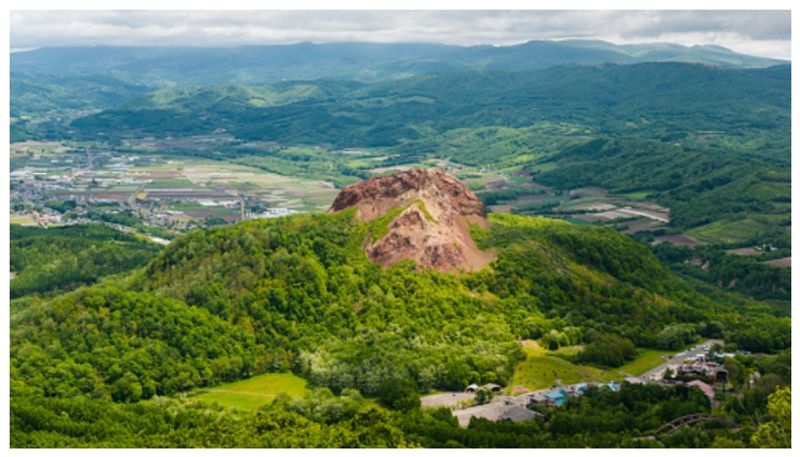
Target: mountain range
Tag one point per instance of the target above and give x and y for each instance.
(165, 66)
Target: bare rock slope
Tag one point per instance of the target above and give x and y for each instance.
(431, 212)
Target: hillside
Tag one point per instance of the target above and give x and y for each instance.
(300, 293)
(58, 259)
(711, 144)
(699, 188)
(670, 101)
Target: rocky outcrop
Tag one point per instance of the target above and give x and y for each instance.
(432, 227)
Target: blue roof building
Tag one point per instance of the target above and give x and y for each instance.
(557, 396)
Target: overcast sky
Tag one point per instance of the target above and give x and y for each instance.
(765, 33)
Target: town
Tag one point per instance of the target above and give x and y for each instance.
(160, 196)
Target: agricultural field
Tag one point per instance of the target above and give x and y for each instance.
(192, 175)
(252, 393)
(543, 368)
(629, 213)
(730, 231)
(158, 190)
(22, 219)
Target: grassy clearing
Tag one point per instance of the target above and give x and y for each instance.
(295, 192)
(726, 231)
(542, 167)
(22, 219)
(254, 392)
(542, 368)
(642, 195)
(646, 360)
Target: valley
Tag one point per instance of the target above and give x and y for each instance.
(551, 244)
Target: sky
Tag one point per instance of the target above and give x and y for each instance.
(764, 33)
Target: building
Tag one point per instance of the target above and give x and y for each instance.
(518, 413)
(494, 411)
(538, 398)
(557, 397)
(702, 369)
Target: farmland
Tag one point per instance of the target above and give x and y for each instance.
(731, 232)
(160, 191)
(629, 213)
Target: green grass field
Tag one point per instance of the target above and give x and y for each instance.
(254, 392)
(642, 195)
(22, 219)
(542, 369)
(725, 231)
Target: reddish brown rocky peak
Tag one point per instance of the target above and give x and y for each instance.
(432, 227)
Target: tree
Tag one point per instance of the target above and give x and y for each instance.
(127, 388)
(402, 394)
(777, 433)
(608, 350)
(668, 374)
(676, 336)
(483, 396)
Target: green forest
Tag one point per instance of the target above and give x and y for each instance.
(298, 294)
(59, 259)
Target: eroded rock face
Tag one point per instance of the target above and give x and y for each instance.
(433, 227)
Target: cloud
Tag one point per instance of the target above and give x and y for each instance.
(765, 33)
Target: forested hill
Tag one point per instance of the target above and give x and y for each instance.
(164, 66)
(666, 101)
(298, 293)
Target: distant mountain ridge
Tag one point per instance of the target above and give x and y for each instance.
(674, 98)
(166, 66)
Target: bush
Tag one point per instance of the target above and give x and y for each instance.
(608, 350)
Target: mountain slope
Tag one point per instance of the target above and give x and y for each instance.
(672, 101)
(299, 293)
(698, 187)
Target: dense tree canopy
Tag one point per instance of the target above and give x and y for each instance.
(298, 293)
(63, 258)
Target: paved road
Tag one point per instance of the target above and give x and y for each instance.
(658, 372)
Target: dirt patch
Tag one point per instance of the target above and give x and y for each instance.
(641, 225)
(784, 262)
(744, 251)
